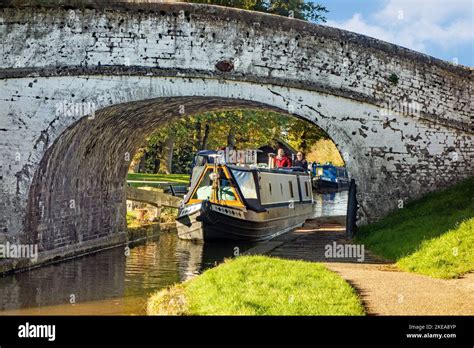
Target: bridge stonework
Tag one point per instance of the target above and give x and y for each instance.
(401, 120)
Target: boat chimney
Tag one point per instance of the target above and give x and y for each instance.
(271, 162)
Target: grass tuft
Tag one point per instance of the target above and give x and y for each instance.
(170, 301)
(260, 285)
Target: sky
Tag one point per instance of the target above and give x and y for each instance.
(440, 28)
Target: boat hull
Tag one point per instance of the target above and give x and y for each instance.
(329, 186)
(216, 222)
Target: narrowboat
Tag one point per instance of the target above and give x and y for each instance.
(244, 203)
(327, 177)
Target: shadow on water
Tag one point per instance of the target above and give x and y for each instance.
(113, 283)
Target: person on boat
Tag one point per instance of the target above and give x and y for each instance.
(282, 160)
(300, 161)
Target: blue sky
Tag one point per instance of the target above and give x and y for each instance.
(440, 28)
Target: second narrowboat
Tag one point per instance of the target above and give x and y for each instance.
(327, 177)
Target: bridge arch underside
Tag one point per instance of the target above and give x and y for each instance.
(77, 193)
(79, 190)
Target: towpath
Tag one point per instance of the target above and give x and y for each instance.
(383, 288)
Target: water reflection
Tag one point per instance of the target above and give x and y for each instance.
(330, 204)
(111, 282)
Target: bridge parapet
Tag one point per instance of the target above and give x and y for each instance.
(182, 39)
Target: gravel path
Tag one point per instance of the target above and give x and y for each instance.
(387, 291)
(383, 288)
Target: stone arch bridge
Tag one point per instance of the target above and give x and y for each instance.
(82, 86)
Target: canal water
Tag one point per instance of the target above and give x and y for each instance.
(118, 281)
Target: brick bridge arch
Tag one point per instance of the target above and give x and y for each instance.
(400, 119)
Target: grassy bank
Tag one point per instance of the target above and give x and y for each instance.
(432, 236)
(173, 178)
(260, 285)
(167, 215)
(134, 222)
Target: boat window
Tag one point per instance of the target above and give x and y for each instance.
(246, 183)
(270, 187)
(281, 188)
(200, 160)
(204, 189)
(225, 192)
(195, 175)
(291, 189)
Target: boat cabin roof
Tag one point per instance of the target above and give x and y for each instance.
(285, 170)
(239, 186)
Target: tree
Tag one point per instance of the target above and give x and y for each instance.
(152, 152)
(205, 138)
(301, 9)
(171, 148)
(303, 136)
(176, 135)
(197, 135)
(166, 158)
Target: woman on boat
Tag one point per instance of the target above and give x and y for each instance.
(301, 161)
(282, 160)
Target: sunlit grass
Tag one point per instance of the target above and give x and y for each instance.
(134, 222)
(172, 178)
(432, 236)
(260, 285)
(447, 256)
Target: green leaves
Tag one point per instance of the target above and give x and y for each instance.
(300, 9)
(247, 129)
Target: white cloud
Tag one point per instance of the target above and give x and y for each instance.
(417, 24)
